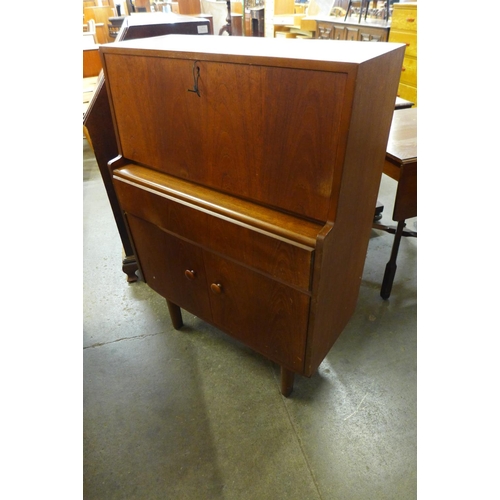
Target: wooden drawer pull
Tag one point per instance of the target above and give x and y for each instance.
(410, 19)
(216, 288)
(189, 274)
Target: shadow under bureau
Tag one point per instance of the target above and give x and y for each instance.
(248, 170)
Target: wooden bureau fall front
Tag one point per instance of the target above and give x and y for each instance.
(248, 170)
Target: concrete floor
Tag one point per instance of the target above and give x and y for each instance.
(192, 414)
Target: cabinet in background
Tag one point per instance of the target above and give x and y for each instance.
(404, 30)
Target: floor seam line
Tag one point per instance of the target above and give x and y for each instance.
(100, 344)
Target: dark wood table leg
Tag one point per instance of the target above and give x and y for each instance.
(129, 267)
(390, 268)
(175, 315)
(287, 377)
(379, 208)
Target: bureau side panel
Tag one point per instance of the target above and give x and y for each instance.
(341, 249)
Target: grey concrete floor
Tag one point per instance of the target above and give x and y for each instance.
(192, 414)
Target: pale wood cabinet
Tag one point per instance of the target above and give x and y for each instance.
(404, 30)
(247, 172)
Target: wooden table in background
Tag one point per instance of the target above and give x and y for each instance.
(401, 165)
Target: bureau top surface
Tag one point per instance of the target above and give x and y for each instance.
(233, 49)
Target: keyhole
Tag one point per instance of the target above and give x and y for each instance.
(196, 77)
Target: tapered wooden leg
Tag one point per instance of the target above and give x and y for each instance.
(175, 315)
(287, 377)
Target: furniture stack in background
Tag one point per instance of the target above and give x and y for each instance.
(404, 30)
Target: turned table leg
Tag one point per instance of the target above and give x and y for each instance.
(129, 267)
(390, 268)
(175, 315)
(286, 381)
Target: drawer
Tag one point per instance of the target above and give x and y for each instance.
(325, 31)
(404, 19)
(339, 32)
(372, 35)
(352, 34)
(408, 92)
(409, 71)
(282, 259)
(409, 39)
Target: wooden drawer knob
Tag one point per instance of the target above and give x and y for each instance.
(189, 274)
(410, 19)
(216, 288)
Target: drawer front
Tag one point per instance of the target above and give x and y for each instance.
(325, 31)
(409, 71)
(339, 32)
(372, 35)
(409, 39)
(352, 34)
(281, 259)
(267, 316)
(408, 92)
(172, 267)
(404, 19)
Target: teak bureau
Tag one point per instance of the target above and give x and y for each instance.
(248, 170)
